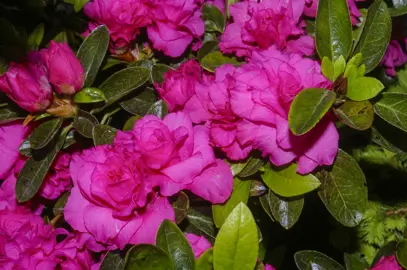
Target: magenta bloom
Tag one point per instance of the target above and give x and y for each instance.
(179, 157)
(65, 72)
(175, 24)
(124, 18)
(268, 267)
(394, 57)
(259, 25)
(262, 95)
(387, 263)
(199, 244)
(179, 85)
(27, 85)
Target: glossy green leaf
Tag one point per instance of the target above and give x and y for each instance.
(355, 261)
(89, 95)
(310, 259)
(70, 139)
(327, 68)
(240, 193)
(181, 206)
(35, 169)
(9, 114)
(333, 29)
(396, 12)
(84, 123)
(25, 148)
(392, 108)
(171, 239)
(202, 222)
(402, 253)
(286, 211)
(364, 88)
(112, 261)
(77, 4)
(92, 52)
(339, 67)
(208, 47)
(60, 204)
(140, 103)
(158, 71)
(236, 245)
(358, 115)
(205, 261)
(36, 36)
(375, 36)
(357, 32)
(215, 59)
(343, 190)
(123, 82)
(307, 109)
(148, 257)
(159, 108)
(287, 182)
(131, 122)
(103, 134)
(213, 18)
(265, 204)
(252, 167)
(44, 133)
(257, 188)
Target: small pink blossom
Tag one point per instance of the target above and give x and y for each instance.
(394, 57)
(268, 267)
(387, 263)
(199, 244)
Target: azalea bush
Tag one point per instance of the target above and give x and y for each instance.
(203, 134)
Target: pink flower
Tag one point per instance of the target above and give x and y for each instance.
(199, 244)
(65, 72)
(179, 157)
(175, 24)
(387, 263)
(259, 25)
(111, 200)
(268, 267)
(220, 4)
(27, 84)
(394, 57)
(179, 85)
(262, 95)
(124, 18)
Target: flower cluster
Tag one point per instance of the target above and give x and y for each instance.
(395, 57)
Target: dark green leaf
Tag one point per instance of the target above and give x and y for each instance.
(308, 107)
(379, 139)
(70, 139)
(131, 122)
(309, 259)
(396, 12)
(265, 204)
(355, 114)
(171, 239)
(141, 103)
(287, 182)
(387, 250)
(103, 134)
(402, 253)
(343, 190)
(89, 95)
(92, 52)
(355, 261)
(228, 4)
(213, 17)
(364, 88)
(112, 261)
(236, 245)
(159, 109)
(215, 59)
(207, 47)
(333, 29)
(375, 36)
(202, 222)
(257, 188)
(392, 108)
(252, 167)
(148, 257)
(158, 71)
(286, 211)
(25, 148)
(35, 38)
(60, 204)
(9, 114)
(240, 193)
(44, 133)
(77, 4)
(111, 62)
(84, 123)
(142, 63)
(181, 206)
(357, 32)
(205, 261)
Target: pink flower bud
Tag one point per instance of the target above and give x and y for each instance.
(65, 72)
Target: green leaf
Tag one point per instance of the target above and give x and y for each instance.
(158, 71)
(265, 204)
(327, 68)
(131, 122)
(357, 32)
(35, 169)
(208, 47)
(215, 59)
(309, 259)
(228, 4)
(92, 52)
(236, 246)
(402, 253)
(252, 167)
(213, 17)
(60, 204)
(307, 109)
(287, 182)
(159, 109)
(89, 95)
(103, 134)
(392, 108)
(171, 239)
(375, 36)
(205, 261)
(44, 133)
(84, 123)
(123, 82)
(355, 261)
(202, 222)
(343, 190)
(286, 211)
(333, 29)
(35, 38)
(364, 88)
(25, 148)
(381, 140)
(240, 193)
(148, 257)
(387, 250)
(356, 114)
(339, 67)
(257, 188)
(112, 261)
(9, 114)
(141, 103)
(61, 37)
(396, 12)
(181, 206)
(77, 4)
